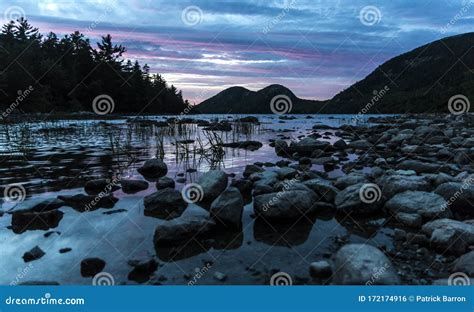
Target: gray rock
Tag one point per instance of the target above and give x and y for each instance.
(350, 201)
(320, 269)
(447, 241)
(213, 183)
(323, 188)
(422, 167)
(262, 189)
(465, 264)
(228, 208)
(133, 186)
(153, 168)
(307, 145)
(340, 144)
(460, 196)
(360, 145)
(429, 205)
(98, 186)
(413, 220)
(348, 180)
(84, 203)
(165, 182)
(264, 178)
(398, 183)
(286, 173)
(165, 204)
(180, 231)
(448, 229)
(250, 169)
(361, 264)
(281, 147)
(285, 205)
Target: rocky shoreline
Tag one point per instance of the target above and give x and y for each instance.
(414, 174)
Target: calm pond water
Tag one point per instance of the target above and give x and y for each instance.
(56, 158)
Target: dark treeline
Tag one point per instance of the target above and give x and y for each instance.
(44, 73)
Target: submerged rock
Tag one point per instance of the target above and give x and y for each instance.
(165, 204)
(228, 208)
(92, 266)
(213, 183)
(83, 203)
(153, 168)
(133, 186)
(177, 232)
(362, 264)
(250, 169)
(249, 145)
(320, 269)
(142, 271)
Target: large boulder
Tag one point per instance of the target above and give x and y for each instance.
(459, 196)
(285, 205)
(92, 266)
(362, 264)
(180, 231)
(360, 145)
(165, 204)
(97, 186)
(153, 168)
(213, 183)
(397, 183)
(165, 182)
(268, 178)
(348, 180)
(449, 236)
(287, 173)
(465, 264)
(359, 199)
(428, 205)
(307, 146)
(133, 186)
(422, 167)
(323, 188)
(250, 169)
(228, 208)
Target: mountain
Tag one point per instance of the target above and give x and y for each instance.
(422, 80)
(239, 100)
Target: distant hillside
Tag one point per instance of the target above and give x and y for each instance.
(238, 100)
(419, 81)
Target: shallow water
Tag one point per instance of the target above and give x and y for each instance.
(56, 158)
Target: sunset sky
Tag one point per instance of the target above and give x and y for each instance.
(315, 47)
